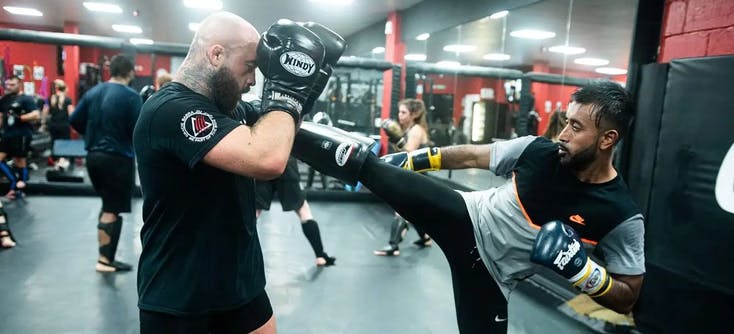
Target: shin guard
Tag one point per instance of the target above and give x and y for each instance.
(112, 230)
(22, 173)
(9, 174)
(397, 230)
(311, 231)
(332, 151)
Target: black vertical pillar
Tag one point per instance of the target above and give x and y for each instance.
(645, 43)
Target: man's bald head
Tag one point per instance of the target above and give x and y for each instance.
(221, 62)
(225, 29)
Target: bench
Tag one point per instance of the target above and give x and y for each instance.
(69, 148)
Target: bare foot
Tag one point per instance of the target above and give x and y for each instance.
(104, 268)
(10, 195)
(325, 261)
(115, 266)
(6, 241)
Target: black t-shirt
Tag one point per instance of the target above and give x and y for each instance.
(201, 251)
(59, 112)
(548, 190)
(12, 125)
(106, 116)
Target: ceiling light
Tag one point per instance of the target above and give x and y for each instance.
(567, 50)
(423, 36)
(416, 57)
(333, 2)
(22, 11)
(459, 48)
(203, 4)
(611, 70)
(591, 61)
(127, 28)
(532, 34)
(137, 41)
(499, 15)
(102, 7)
(378, 49)
(193, 26)
(448, 63)
(496, 56)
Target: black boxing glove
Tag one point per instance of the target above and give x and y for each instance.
(247, 112)
(558, 247)
(334, 47)
(394, 132)
(290, 58)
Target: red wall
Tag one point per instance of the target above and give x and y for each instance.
(697, 28)
(394, 52)
(30, 54)
(461, 86)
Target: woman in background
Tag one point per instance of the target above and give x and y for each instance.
(55, 115)
(412, 120)
(555, 125)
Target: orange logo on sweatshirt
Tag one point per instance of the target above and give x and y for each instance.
(577, 219)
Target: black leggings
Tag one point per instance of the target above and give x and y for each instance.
(441, 212)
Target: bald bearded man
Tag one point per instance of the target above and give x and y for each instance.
(201, 268)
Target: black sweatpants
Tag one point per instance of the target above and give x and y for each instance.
(441, 212)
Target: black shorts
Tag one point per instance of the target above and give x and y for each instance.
(288, 187)
(16, 147)
(113, 178)
(244, 319)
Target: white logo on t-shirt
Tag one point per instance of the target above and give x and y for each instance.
(198, 126)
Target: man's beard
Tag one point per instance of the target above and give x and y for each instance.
(224, 88)
(581, 159)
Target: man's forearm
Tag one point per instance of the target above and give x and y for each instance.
(31, 116)
(465, 156)
(274, 135)
(621, 297)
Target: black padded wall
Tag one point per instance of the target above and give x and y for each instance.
(689, 287)
(693, 235)
(645, 132)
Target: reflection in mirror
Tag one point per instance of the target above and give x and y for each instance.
(352, 100)
(561, 43)
(571, 40)
(590, 37)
